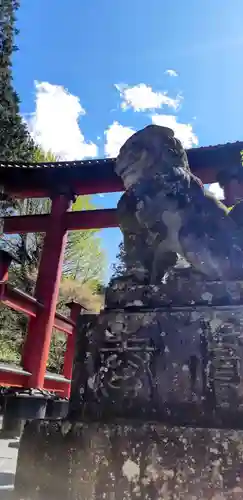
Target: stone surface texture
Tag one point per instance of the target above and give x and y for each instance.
(171, 362)
(122, 461)
(175, 291)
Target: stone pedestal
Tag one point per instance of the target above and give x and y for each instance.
(129, 461)
(178, 362)
(183, 288)
(156, 384)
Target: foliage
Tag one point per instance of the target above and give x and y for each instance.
(15, 141)
(84, 258)
(83, 293)
(119, 268)
(56, 353)
(10, 337)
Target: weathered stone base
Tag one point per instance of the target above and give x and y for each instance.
(129, 461)
(180, 365)
(135, 371)
(180, 290)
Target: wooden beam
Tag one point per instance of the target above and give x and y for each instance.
(22, 302)
(79, 187)
(98, 176)
(25, 224)
(18, 378)
(89, 219)
(19, 301)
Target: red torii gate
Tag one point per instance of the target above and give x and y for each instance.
(61, 181)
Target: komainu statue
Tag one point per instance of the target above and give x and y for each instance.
(165, 212)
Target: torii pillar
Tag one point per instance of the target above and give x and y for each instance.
(37, 345)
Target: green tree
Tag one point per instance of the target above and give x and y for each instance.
(84, 257)
(15, 141)
(119, 267)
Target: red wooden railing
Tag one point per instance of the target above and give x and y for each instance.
(19, 301)
(41, 309)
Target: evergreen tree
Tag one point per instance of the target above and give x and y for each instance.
(15, 144)
(119, 268)
(15, 141)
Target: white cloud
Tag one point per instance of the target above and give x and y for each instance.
(116, 135)
(183, 131)
(171, 72)
(141, 97)
(216, 190)
(54, 124)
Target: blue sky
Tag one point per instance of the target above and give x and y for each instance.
(89, 73)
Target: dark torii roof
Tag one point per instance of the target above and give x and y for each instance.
(97, 176)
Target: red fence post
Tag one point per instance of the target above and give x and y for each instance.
(75, 310)
(5, 261)
(36, 348)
